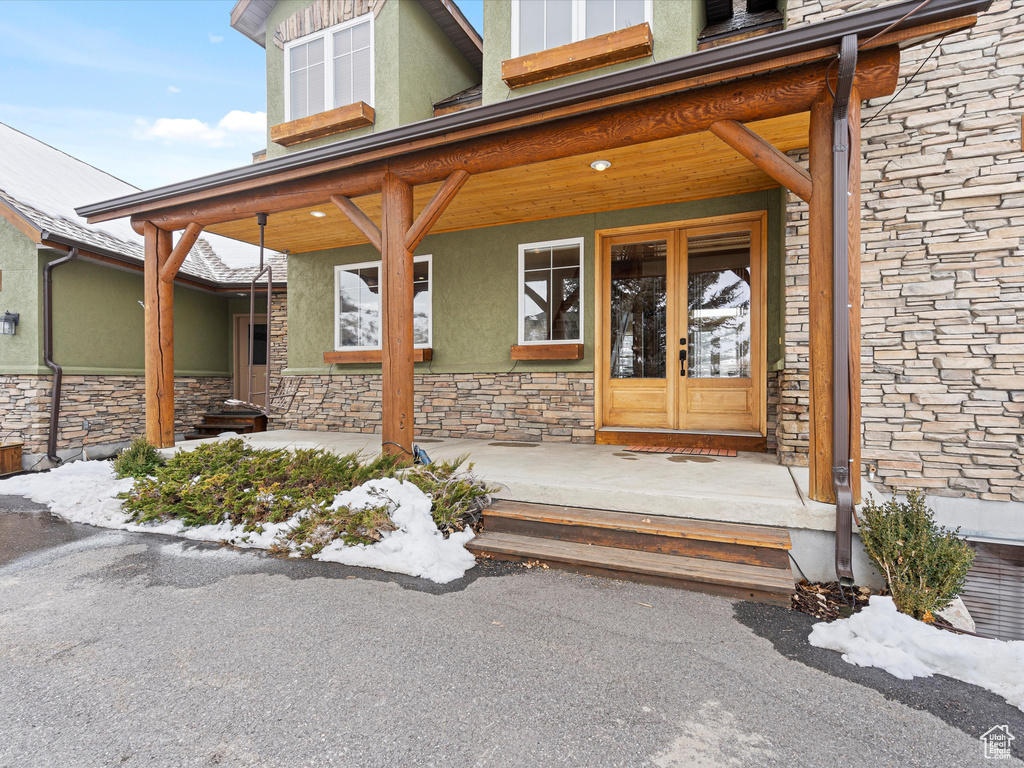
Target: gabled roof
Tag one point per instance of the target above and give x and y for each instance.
(250, 18)
(40, 186)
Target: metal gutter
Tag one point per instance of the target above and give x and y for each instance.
(841, 370)
(58, 372)
(751, 51)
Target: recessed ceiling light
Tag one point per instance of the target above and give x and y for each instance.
(317, 214)
(601, 165)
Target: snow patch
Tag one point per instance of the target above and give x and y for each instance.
(881, 636)
(417, 548)
(86, 492)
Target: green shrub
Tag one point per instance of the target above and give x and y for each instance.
(924, 564)
(459, 497)
(138, 460)
(230, 480)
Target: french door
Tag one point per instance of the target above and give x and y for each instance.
(683, 315)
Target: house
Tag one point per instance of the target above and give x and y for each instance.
(97, 303)
(620, 222)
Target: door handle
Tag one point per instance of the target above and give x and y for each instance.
(682, 362)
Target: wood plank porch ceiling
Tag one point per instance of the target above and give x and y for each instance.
(690, 167)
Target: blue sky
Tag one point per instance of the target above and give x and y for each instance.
(152, 91)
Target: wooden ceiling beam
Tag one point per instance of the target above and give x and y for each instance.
(435, 209)
(359, 220)
(765, 156)
(180, 252)
(771, 95)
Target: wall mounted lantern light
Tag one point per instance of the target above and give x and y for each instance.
(9, 323)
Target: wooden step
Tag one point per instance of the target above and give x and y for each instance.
(210, 430)
(673, 535)
(740, 580)
(257, 421)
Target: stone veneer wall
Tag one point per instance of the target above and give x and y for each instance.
(114, 407)
(496, 406)
(943, 268)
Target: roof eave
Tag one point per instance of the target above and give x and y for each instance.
(777, 46)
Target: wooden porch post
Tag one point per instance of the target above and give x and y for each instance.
(397, 381)
(820, 277)
(159, 300)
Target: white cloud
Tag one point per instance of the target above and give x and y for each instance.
(184, 129)
(236, 123)
(173, 89)
(216, 38)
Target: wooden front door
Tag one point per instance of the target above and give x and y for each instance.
(259, 359)
(683, 314)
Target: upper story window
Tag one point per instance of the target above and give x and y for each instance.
(330, 69)
(541, 24)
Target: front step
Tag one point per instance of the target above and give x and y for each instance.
(218, 422)
(746, 561)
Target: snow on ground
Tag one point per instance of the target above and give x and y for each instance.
(881, 636)
(86, 492)
(417, 548)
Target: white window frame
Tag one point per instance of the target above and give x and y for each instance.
(328, 35)
(521, 287)
(339, 268)
(579, 22)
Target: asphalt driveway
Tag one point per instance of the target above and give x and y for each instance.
(132, 649)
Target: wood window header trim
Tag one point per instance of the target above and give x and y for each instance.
(627, 44)
(323, 124)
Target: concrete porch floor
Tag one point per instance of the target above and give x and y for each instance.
(748, 488)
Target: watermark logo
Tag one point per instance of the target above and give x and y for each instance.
(996, 741)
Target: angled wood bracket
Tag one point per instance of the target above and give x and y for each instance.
(180, 252)
(766, 157)
(435, 208)
(421, 227)
(361, 221)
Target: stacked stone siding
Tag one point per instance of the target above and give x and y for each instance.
(498, 406)
(943, 269)
(113, 406)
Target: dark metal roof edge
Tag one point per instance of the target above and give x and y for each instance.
(135, 264)
(753, 50)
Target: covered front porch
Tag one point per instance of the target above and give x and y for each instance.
(717, 122)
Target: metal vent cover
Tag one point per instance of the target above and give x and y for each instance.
(994, 593)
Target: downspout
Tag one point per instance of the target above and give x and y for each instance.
(841, 426)
(58, 372)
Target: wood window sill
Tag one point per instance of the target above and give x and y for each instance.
(365, 356)
(611, 48)
(322, 124)
(547, 351)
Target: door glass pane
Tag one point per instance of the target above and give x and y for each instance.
(718, 315)
(639, 283)
(259, 344)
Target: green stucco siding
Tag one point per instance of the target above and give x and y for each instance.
(475, 286)
(431, 67)
(21, 292)
(99, 324)
(675, 26)
(414, 65)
